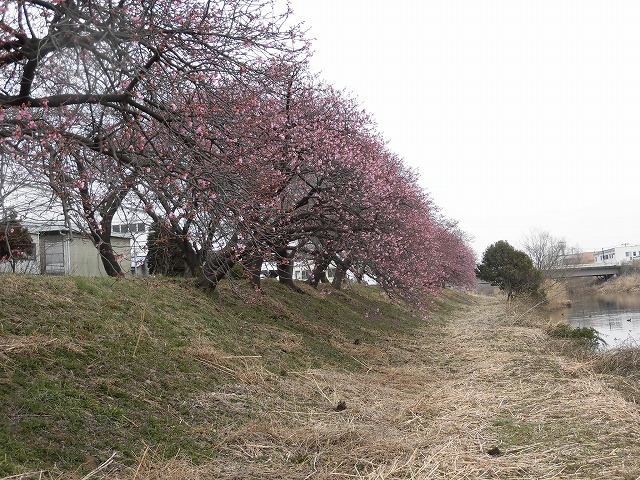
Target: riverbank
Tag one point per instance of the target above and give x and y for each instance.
(628, 282)
(473, 392)
(625, 283)
(490, 396)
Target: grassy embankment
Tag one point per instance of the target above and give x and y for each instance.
(321, 385)
(91, 367)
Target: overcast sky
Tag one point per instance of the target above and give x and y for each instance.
(517, 114)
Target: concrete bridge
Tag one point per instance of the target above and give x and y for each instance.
(588, 270)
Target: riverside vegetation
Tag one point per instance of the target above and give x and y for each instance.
(150, 379)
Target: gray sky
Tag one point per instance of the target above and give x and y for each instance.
(518, 114)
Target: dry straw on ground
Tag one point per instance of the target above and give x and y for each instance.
(489, 399)
(624, 283)
(556, 294)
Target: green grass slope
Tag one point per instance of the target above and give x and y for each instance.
(90, 366)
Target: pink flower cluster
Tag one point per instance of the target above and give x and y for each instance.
(204, 117)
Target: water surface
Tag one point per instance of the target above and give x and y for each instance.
(616, 317)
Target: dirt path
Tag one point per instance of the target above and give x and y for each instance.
(483, 397)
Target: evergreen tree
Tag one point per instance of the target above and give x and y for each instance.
(509, 269)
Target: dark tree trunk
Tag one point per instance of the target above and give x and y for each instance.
(285, 267)
(253, 270)
(102, 235)
(215, 269)
(341, 274)
(192, 258)
(107, 255)
(217, 266)
(319, 273)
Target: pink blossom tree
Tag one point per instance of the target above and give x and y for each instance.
(203, 115)
(312, 178)
(107, 79)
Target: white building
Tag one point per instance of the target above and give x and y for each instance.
(617, 255)
(58, 251)
(136, 228)
(62, 250)
(302, 271)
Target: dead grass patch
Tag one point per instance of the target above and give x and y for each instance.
(624, 361)
(556, 293)
(32, 344)
(244, 368)
(629, 282)
(492, 401)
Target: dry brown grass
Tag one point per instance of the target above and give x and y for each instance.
(32, 344)
(557, 294)
(247, 369)
(624, 283)
(491, 399)
(621, 361)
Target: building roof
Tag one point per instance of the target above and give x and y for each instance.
(48, 227)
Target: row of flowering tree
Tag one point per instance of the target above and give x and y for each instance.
(204, 116)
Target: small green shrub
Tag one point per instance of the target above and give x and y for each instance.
(587, 336)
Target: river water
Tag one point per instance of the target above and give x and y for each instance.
(616, 317)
